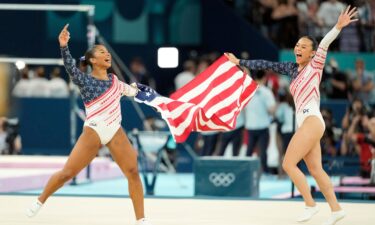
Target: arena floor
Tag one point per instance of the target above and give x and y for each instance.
(118, 211)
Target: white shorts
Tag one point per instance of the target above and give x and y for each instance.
(310, 109)
(104, 131)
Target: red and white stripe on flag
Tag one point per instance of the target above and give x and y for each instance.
(210, 102)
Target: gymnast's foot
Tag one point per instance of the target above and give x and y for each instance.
(308, 213)
(34, 208)
(142, 221)
(335, 217)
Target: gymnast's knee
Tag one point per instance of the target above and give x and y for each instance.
(288, 166)
(65, 175)
(316, 171)
(132, 173)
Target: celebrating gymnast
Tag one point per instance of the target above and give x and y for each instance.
(101, 93)
(306, 75)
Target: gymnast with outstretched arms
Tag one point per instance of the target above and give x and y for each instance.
(306, 74)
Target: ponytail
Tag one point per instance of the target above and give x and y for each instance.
(82, 61)
(85, 60)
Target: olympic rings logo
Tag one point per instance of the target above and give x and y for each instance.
(222, 179)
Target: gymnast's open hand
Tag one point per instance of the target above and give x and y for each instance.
(232, 58)
(346, 17)
(145, 93)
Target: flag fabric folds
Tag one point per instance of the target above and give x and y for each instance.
(210, 102)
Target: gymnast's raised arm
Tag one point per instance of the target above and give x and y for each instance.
(75, 74)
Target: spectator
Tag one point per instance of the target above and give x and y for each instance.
(22, 87)
(329, 139)
(371, 126)
(367, 24)
(10, 140)
(328, 13)
(39, 85)
(57, 86)
(285, 117)
(141, 75)
(335, 82)
(261, 15)
(350, 40)
(362, 83)
(210, 143)
(258, 116)
(372, 7)
(273, 82)
(203, 64)
(285, 16)
(355, 109)
(3, 135)
(186, 75)
(308, 18)
(235, 137)
(362, 147)
(286, 120)
(371, 141)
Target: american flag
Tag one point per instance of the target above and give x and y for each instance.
(210, 102)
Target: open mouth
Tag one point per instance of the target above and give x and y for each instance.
(298, 56)
(107, 60)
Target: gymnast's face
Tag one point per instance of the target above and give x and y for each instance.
(102, 58)
(304, 51)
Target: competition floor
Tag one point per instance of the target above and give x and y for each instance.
(118, 211)
(105, 200)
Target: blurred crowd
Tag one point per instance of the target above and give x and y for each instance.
(45, 82)
(295, 18)
(34, 82)
(350, 84)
